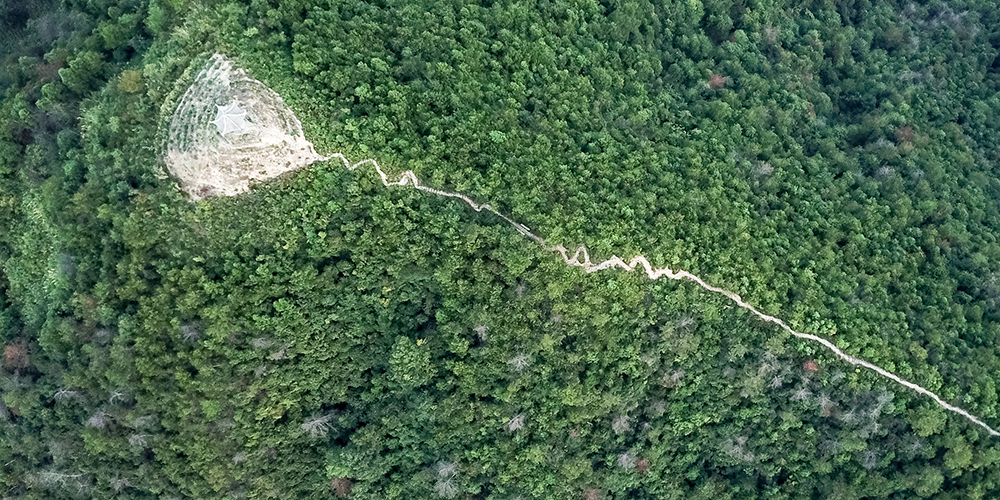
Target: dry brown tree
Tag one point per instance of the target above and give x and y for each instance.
(15, 356)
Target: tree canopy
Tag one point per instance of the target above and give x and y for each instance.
(324, 336)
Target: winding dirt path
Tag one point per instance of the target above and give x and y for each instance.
(580, 258)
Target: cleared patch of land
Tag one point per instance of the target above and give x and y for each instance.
(209, 160)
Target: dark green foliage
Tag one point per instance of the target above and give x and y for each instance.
(324, 336)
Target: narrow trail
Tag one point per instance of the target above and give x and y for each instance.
(580, 258)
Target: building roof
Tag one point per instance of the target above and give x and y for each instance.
(230, 118)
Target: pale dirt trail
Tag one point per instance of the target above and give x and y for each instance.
(408, 177)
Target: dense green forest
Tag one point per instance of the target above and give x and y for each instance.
(834, 162)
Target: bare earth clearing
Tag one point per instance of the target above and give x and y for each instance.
(212, 157)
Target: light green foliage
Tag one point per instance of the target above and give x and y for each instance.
(31, 269)
(130, 81)
(929, 482)
(929, 421)
(410, 364)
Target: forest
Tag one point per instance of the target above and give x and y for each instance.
(836, 163)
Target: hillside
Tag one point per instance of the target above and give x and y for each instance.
(336, 334)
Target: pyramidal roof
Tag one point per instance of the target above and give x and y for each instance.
(230, 118)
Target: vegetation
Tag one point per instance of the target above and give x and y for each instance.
(326, 337)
